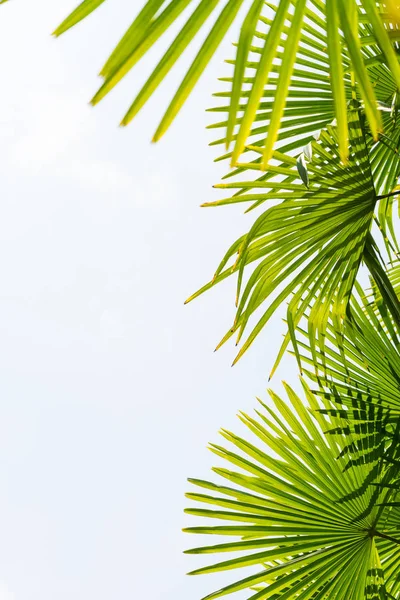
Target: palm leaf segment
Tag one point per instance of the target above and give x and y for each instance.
(158, 16)
(298, 515)
(311, 243)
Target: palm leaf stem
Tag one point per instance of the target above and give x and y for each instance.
(386, 537)
(396, 193)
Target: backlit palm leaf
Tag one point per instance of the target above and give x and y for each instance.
(158, 16)
(283, 503)
(310, 97)
(310, 245)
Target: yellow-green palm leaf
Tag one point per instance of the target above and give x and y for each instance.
(286, 20)
(307, 247)
(286, 507)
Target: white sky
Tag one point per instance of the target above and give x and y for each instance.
(109, 387)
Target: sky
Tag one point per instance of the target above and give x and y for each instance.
(109, 386)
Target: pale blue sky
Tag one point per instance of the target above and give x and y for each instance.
(109, 387)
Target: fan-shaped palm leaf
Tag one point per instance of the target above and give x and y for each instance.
(310, 106)
(157, 16)
(312, 243)
(310, 97)
(294, 515)
(376, 300)
(309, 100)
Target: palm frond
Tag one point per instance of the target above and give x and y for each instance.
(312, 92)
(309, 100)
(375, 298)
(283, 503)
(287, 20)
(310, 245)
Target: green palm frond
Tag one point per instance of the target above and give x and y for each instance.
(286, 22)
(310, 103)
(309, 246)
(309, 508)
(385, 166)
(310, 107)
(382, 283)
(350, 40)
(153, 21)
(283, 502)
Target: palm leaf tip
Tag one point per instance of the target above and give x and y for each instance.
(78, 15)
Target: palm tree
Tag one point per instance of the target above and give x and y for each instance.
(310, 124)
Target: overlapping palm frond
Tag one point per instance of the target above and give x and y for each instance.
(288, 500)
(310, 245)
(285, 20)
